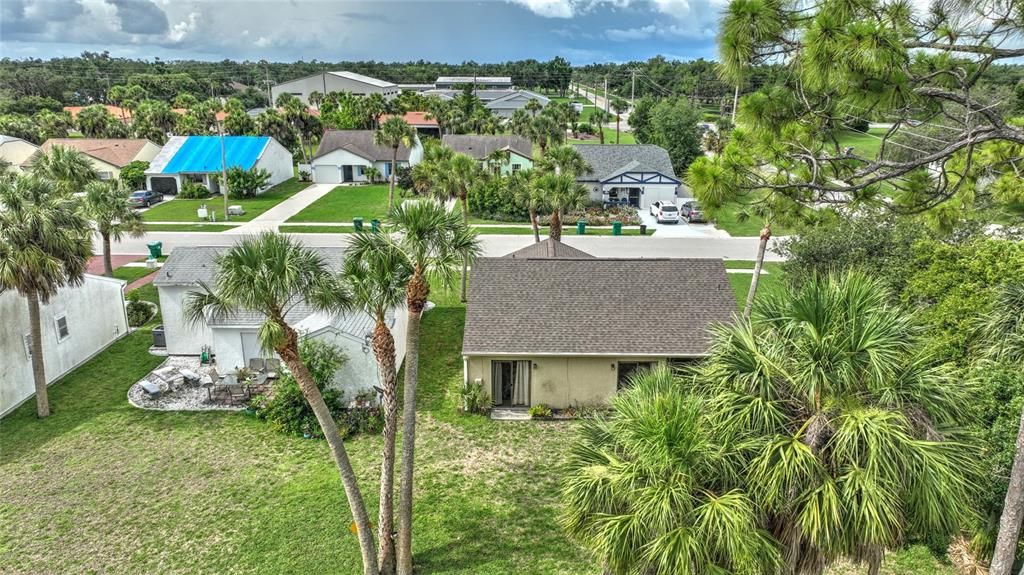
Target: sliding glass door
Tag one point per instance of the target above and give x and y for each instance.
(510, 383)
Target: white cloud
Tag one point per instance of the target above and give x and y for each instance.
(549, 8)
(619, 35)
(263, 42)
(182, 29)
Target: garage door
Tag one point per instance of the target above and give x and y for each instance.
(326, 174)
(657, 193)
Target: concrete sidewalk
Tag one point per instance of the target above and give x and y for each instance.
(277, 215)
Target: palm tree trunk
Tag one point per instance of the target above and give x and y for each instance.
(465, 261)
(536, 226)
(289, 352)
(1013, 512)
(616, 128)
(600, 131)
(38, 366)
(391, 183)
(384, 350)
(417, 291)
(766, 234)
(108, 268)
(555, 231)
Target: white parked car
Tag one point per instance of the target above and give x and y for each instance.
(665, 212)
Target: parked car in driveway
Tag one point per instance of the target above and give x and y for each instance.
(665, 212)
(144, 198)
(692, 212)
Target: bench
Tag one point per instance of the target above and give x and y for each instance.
(151, 389)
(190, 377)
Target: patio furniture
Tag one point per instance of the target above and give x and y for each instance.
(167, 375)
(151, 389)
(190, 377)
(257, 364)
(238, 392)
(272, 366)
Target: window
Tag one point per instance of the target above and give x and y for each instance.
(510, 383)
(62, 327)
(626, 371)
(359, 170)
(516, 167)
(105, 175)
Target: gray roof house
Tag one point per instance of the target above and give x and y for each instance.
(548, 248)
(633, 174)
(233, 340)
(481, 147)
(506, 105)
(478, 82)
(343, 156)
(336, 81)
(564, 330)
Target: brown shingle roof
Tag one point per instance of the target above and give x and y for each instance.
(117, 152)
(595, 306)
(360, 143)
(479, 147)
(549, 248)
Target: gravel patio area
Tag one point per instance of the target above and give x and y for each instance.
(176, 395)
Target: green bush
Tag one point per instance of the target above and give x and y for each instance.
(540, 411)
(492, 200)
(474, 400)
(193, 191)
(139, 312)
(246, 183)
(133, 175)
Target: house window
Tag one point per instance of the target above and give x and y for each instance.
(516, 167)
(677, 364)
(359, 170)
(510, 382)
(62, 327)
(626, 371)
(104, 175)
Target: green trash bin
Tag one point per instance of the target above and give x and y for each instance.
(375, 226)
(581, 228)
(156, 249)
(616, 228)
(357, 224)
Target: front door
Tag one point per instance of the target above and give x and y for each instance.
(510, 383)
(346, 173)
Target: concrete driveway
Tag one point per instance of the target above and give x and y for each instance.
(277, 215)
(681, 229)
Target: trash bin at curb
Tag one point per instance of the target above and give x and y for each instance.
(643, 229)
(581, 228)
(374, 226)
(155, 249)
(616, 228)
(357, 224)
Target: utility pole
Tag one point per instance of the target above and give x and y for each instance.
(632, 89)
(270, 95)
(735, 99)
(223, 170)
(606, 94)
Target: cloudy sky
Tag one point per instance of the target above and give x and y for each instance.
(581, 31)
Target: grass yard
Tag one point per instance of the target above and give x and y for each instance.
(728, 219)
(566, 231)
(189, 227)
(865, 144)
(609, 138)
(130, 274)
(178, 210)
(740, 282)
(346, 202)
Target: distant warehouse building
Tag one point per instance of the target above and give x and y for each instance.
(198, 159)
(478, 82)
(341, 81)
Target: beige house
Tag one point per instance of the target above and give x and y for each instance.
(16, 152)
(551, 324)
(108, 155)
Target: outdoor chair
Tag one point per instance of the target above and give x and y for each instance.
(257, 364)
(273, 366)
(238, 392)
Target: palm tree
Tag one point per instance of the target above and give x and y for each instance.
(496, 159)
(846, 422)
(429, 173)
(560, 193)
(620, 106)
(520, 185)
(372, 174)
(95, 121)
(544, 130)
(67, 168)
(458, 176)
(315, 98)
(564, 159)
(45, 245)
(394, 132)
(270, 274)
(649, 490)
(598, 117)
(106, 207)
(436, 241)
(533, 107)
(377, 271)
(519, 123)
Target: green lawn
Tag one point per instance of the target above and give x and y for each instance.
(609, 138)
(740, 282)
(566, 231)
(189, 227)
(346, 202)
(865, 144)
(178, 210)
(130, 274)
(728, 219)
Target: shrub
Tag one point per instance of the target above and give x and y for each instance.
(133, 175)
(246, 183)
(403, 178)
(491, 199)
(858, 124)
(474, 400)
(305, 176)
(139, 312)
(540, 411)
(193, 191)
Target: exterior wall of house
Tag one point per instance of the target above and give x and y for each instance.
(515, 159)
(326, 83)
(103, 169)
(16, 153)
(328, 169)
(148, 152)
(560, 382)
(277, 160)
(182, 338)
(649, 193)
(95, 314)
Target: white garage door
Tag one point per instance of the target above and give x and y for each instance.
(326, 174)
(657, 193)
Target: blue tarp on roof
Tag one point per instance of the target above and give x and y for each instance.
(202, 153)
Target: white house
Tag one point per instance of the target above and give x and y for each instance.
(339, 81)
(198, 159)
(478, 82)
(507, 105)
(16, 152)
(633, 174)
(108, 155)
(344, 155)
(77, 323)
(232, 340)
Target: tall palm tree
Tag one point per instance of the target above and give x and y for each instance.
(436, 241)
(106, 207)
(459, 175)
(394, 132)
(546, 130)
(846, 423)
(377, 271)
(598, 117)
(533, 107)
(620, 106)
(650, 490)
(520, 185)
(45, 244)
(67, 168)
(270, 274)
(560, 193)
(564, 159)
(519, 123)
(430, 172)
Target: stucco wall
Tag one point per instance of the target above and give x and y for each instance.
(148, 152)
(95, 317)
(560, 382)
(302, 87)
(16, 152)
(182, 339)
(277, 160)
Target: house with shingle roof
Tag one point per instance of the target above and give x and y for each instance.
(565, 329)
(16, 152)
(632, 174)
(198, 159)
(232, 340)
(108, 155)
(344, 155)
(519, 150)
